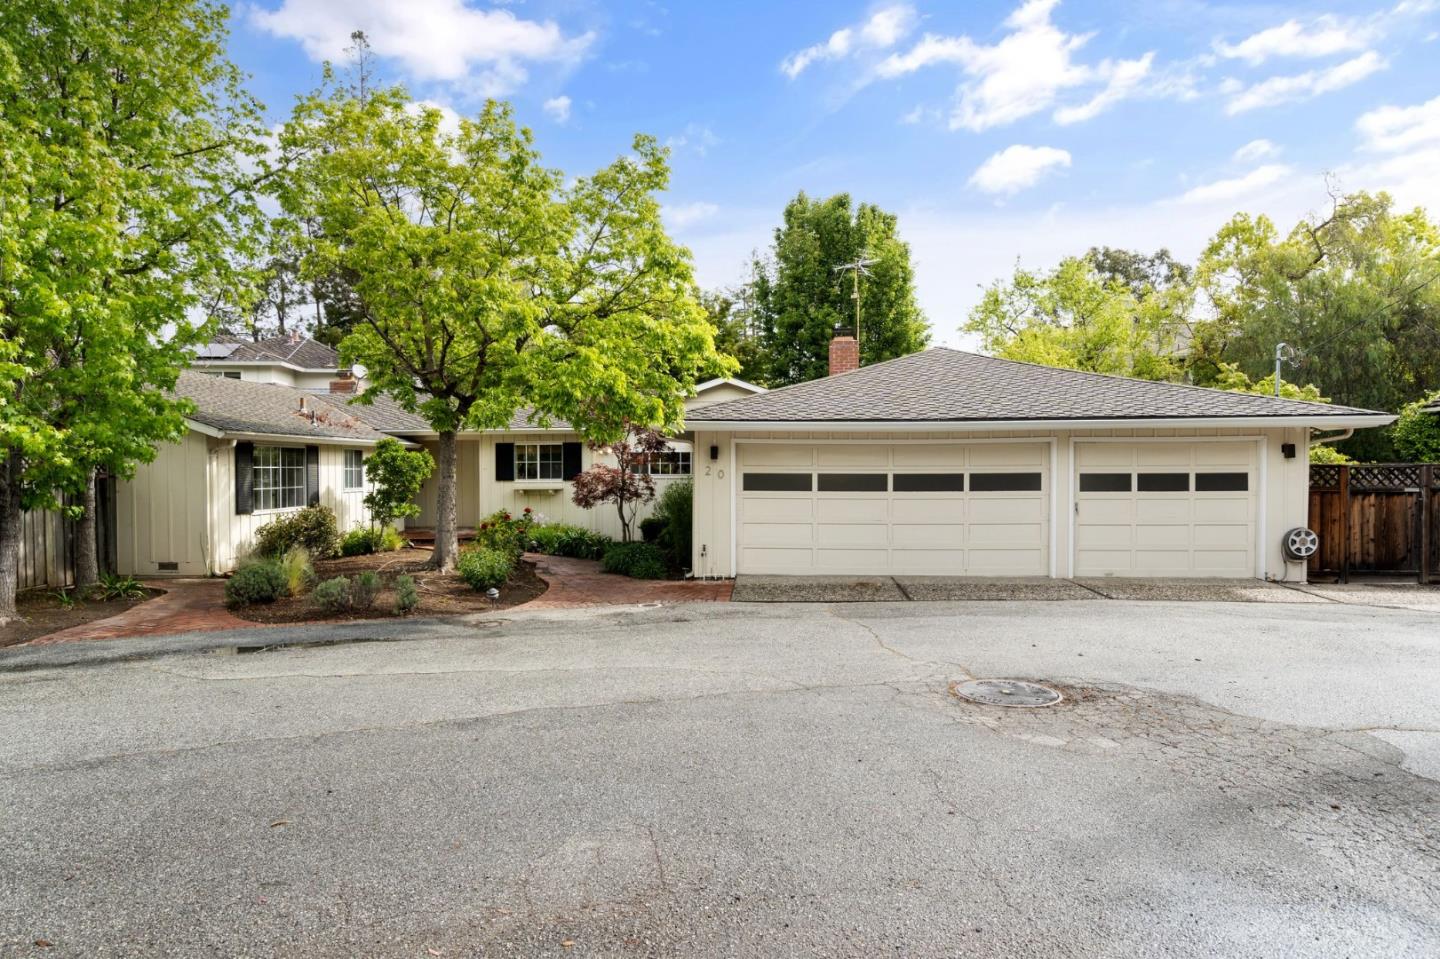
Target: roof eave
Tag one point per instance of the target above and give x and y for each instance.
(1337, 421)
(250, 435)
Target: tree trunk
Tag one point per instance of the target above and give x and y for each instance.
(9, 535)
(447, 542)
(624, 526)
(87, 554)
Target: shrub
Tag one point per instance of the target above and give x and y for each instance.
(334, 595)
(484, 568)
(651, 527)
(564, 539)
(390, 540)
(113, 586)
(677, 509)
(505, 533)
(312, 527)
(406, 596)
(295, 567)
(1416, 433)
(636, 560)
(364, 588)
(396, 475)
(255, 582)
(361, 541)
(1328, 455)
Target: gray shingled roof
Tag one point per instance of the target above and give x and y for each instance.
(945, 385)
(308, 354)
(237, 406)
(385, 414)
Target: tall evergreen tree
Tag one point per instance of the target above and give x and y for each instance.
(800, 298)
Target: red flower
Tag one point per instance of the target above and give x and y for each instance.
(527, 510)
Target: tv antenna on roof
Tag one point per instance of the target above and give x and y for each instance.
(857, 268)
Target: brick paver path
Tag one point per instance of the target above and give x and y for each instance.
(579, 582)
(189, 605)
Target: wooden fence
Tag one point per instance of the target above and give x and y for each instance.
(47, 542)
(1376, 519)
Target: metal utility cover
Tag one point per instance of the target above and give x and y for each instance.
(1006, 692)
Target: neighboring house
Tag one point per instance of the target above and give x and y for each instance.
(952, 463)
(289, 360)
(253, 451)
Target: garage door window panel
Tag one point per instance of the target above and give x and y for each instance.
(1105, 482)
(1163, 482)
(929, 482)
(778, 483)
(1006, 482)
(854, 483)
(1222, 482)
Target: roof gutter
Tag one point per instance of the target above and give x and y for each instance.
(281, 437)
(1347, 421)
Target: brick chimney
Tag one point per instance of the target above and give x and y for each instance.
(344, 383)
(844, 354)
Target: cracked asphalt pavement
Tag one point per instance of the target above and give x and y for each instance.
(724, 780)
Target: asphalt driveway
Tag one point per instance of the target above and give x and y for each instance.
(1222, 779)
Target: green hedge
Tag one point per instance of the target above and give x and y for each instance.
(484, 568)
(564, 539)
(636, 560)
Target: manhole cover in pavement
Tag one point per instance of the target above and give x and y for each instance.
(1005, 692)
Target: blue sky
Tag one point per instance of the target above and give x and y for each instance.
(997, 131)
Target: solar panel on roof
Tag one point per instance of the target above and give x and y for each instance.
(217, 351)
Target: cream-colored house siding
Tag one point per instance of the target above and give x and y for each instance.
(1282, 486)
(181, 508)
(478, 493)
(718, 393)
(160, 514)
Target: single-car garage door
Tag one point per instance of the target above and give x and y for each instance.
(919, 508)
(1165, 509)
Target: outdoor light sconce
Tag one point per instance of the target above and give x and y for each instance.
(1287, 450)
(714, 452)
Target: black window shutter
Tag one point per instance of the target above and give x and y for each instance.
(312, 475)
(244, 478)
(570, 460)
(504, 462)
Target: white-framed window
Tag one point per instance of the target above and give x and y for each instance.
(669, 463)
(279, 477)
(227, 374)
(539, 461)
(354, 469)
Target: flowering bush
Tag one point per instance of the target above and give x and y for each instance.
(506, 533)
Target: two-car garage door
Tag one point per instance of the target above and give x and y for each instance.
(935, 509)
(1182, 508)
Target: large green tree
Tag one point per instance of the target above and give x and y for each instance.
(486, 284)
(1079, 317)
(799, 297)
(127, 149)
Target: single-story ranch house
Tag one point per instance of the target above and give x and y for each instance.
(938, 463)
(952, 463)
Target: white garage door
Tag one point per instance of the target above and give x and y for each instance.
(1165, 509)
(922, 508)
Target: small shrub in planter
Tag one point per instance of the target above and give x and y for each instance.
(564, 539)
(333, 595)
(113, 586)
(313, 527)
(361, 541)
(255, 582)
(407, 598)
(364, 588)
(390, 540)
(636, 560)
(484, 568)
(651, 527)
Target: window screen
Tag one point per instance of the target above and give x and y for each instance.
(853, 482)
(1222, 482)
(929, 482)
(1163, 482)
(777, 482)
(354, 469)
(1104, 482)
(539, 461)
(279, 473)
(1004, 482)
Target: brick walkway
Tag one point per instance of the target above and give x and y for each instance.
(579, 582)
(188, 605)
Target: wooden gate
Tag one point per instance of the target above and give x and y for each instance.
(1376, 519)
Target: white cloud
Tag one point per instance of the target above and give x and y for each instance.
(480, 51)
(1303, 86)
(1324, 37)
(1391, 128)
(684, 214)
(449, 119)
(1236, 187)
(1261, 149)
(557, 108)
(1018, 167)
(883, 29)
(1022, 74)
(696, 137)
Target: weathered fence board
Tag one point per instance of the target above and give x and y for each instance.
(1377, 519)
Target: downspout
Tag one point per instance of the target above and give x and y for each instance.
(1336, 438)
